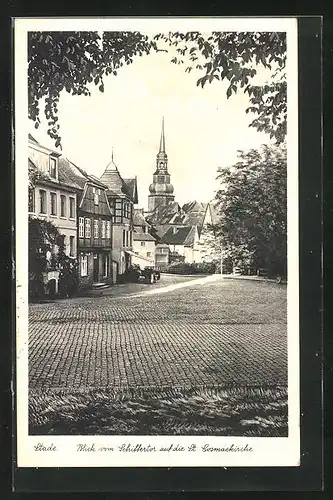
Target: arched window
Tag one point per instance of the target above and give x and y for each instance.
(160, 178)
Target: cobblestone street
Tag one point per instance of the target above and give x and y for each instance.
(220, 332)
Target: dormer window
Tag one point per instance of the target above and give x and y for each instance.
(97, 193)
(53, 168)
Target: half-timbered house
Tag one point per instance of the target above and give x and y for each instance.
(122, 196)
(94, 217)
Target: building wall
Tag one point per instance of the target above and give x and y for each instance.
(122, 233)
(94, 212)
(143, 261)
(143, 248)
(178, 248)
(88, 240)
(206, 247)
(161, 257)
(118, 248)
(86, 281)
(66, 225)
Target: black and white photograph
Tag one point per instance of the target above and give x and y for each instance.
(157, 242)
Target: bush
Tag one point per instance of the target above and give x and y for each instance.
(186, 268)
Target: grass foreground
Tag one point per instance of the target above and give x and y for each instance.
(242, 411)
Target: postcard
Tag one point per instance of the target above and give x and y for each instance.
(157, 287)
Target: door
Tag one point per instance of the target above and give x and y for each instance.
(96, 266)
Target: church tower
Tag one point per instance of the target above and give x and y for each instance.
(161, 191)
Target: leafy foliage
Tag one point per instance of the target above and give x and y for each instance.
(191, 268)
(252, 204)
(47, 252)
(72, 61)
(234, 57)
(43, 236)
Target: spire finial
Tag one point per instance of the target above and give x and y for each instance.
(112, 154)
(162, 140)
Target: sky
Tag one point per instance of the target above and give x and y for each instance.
(203, 128)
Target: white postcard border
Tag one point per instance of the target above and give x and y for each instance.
(63, 449)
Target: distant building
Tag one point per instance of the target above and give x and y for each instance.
(144, 249)
(122, 196)
(161, 190)
(187, 229)
(94, 227)
(143, 241)
(162, 252)
(180, 239)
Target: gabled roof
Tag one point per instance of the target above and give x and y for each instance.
(70, 174)
(191, 214)
(163, 214)
(142, 237)
(37, 144)
(65, 176)
(182, 236)
(139, 219)
(194, 206)
(32, 139)
(132, 189)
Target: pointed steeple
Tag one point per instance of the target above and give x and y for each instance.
(162, 140)
(112, 165)
(161, 190)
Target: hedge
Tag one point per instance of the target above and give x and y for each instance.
(186, 268)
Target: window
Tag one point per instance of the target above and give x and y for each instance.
(148, 254)
(71, 246)
(143, 243)
(124, 237)
(72, 208)
(160, 178)
(84, 265)
(53, 202)
(97, 193)
(118, 212)
(108, 229)
(131, 238)
(95, 229)
(127, 239)
(127, 210)
(62, 205)
(88, 233)
(42, 201)
(31, 200)
(81, 227)
(53, 168)
(103, 228)
(105, 265)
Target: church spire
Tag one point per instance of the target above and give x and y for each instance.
(162, 140)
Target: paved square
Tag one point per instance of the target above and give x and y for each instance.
(224, 332)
